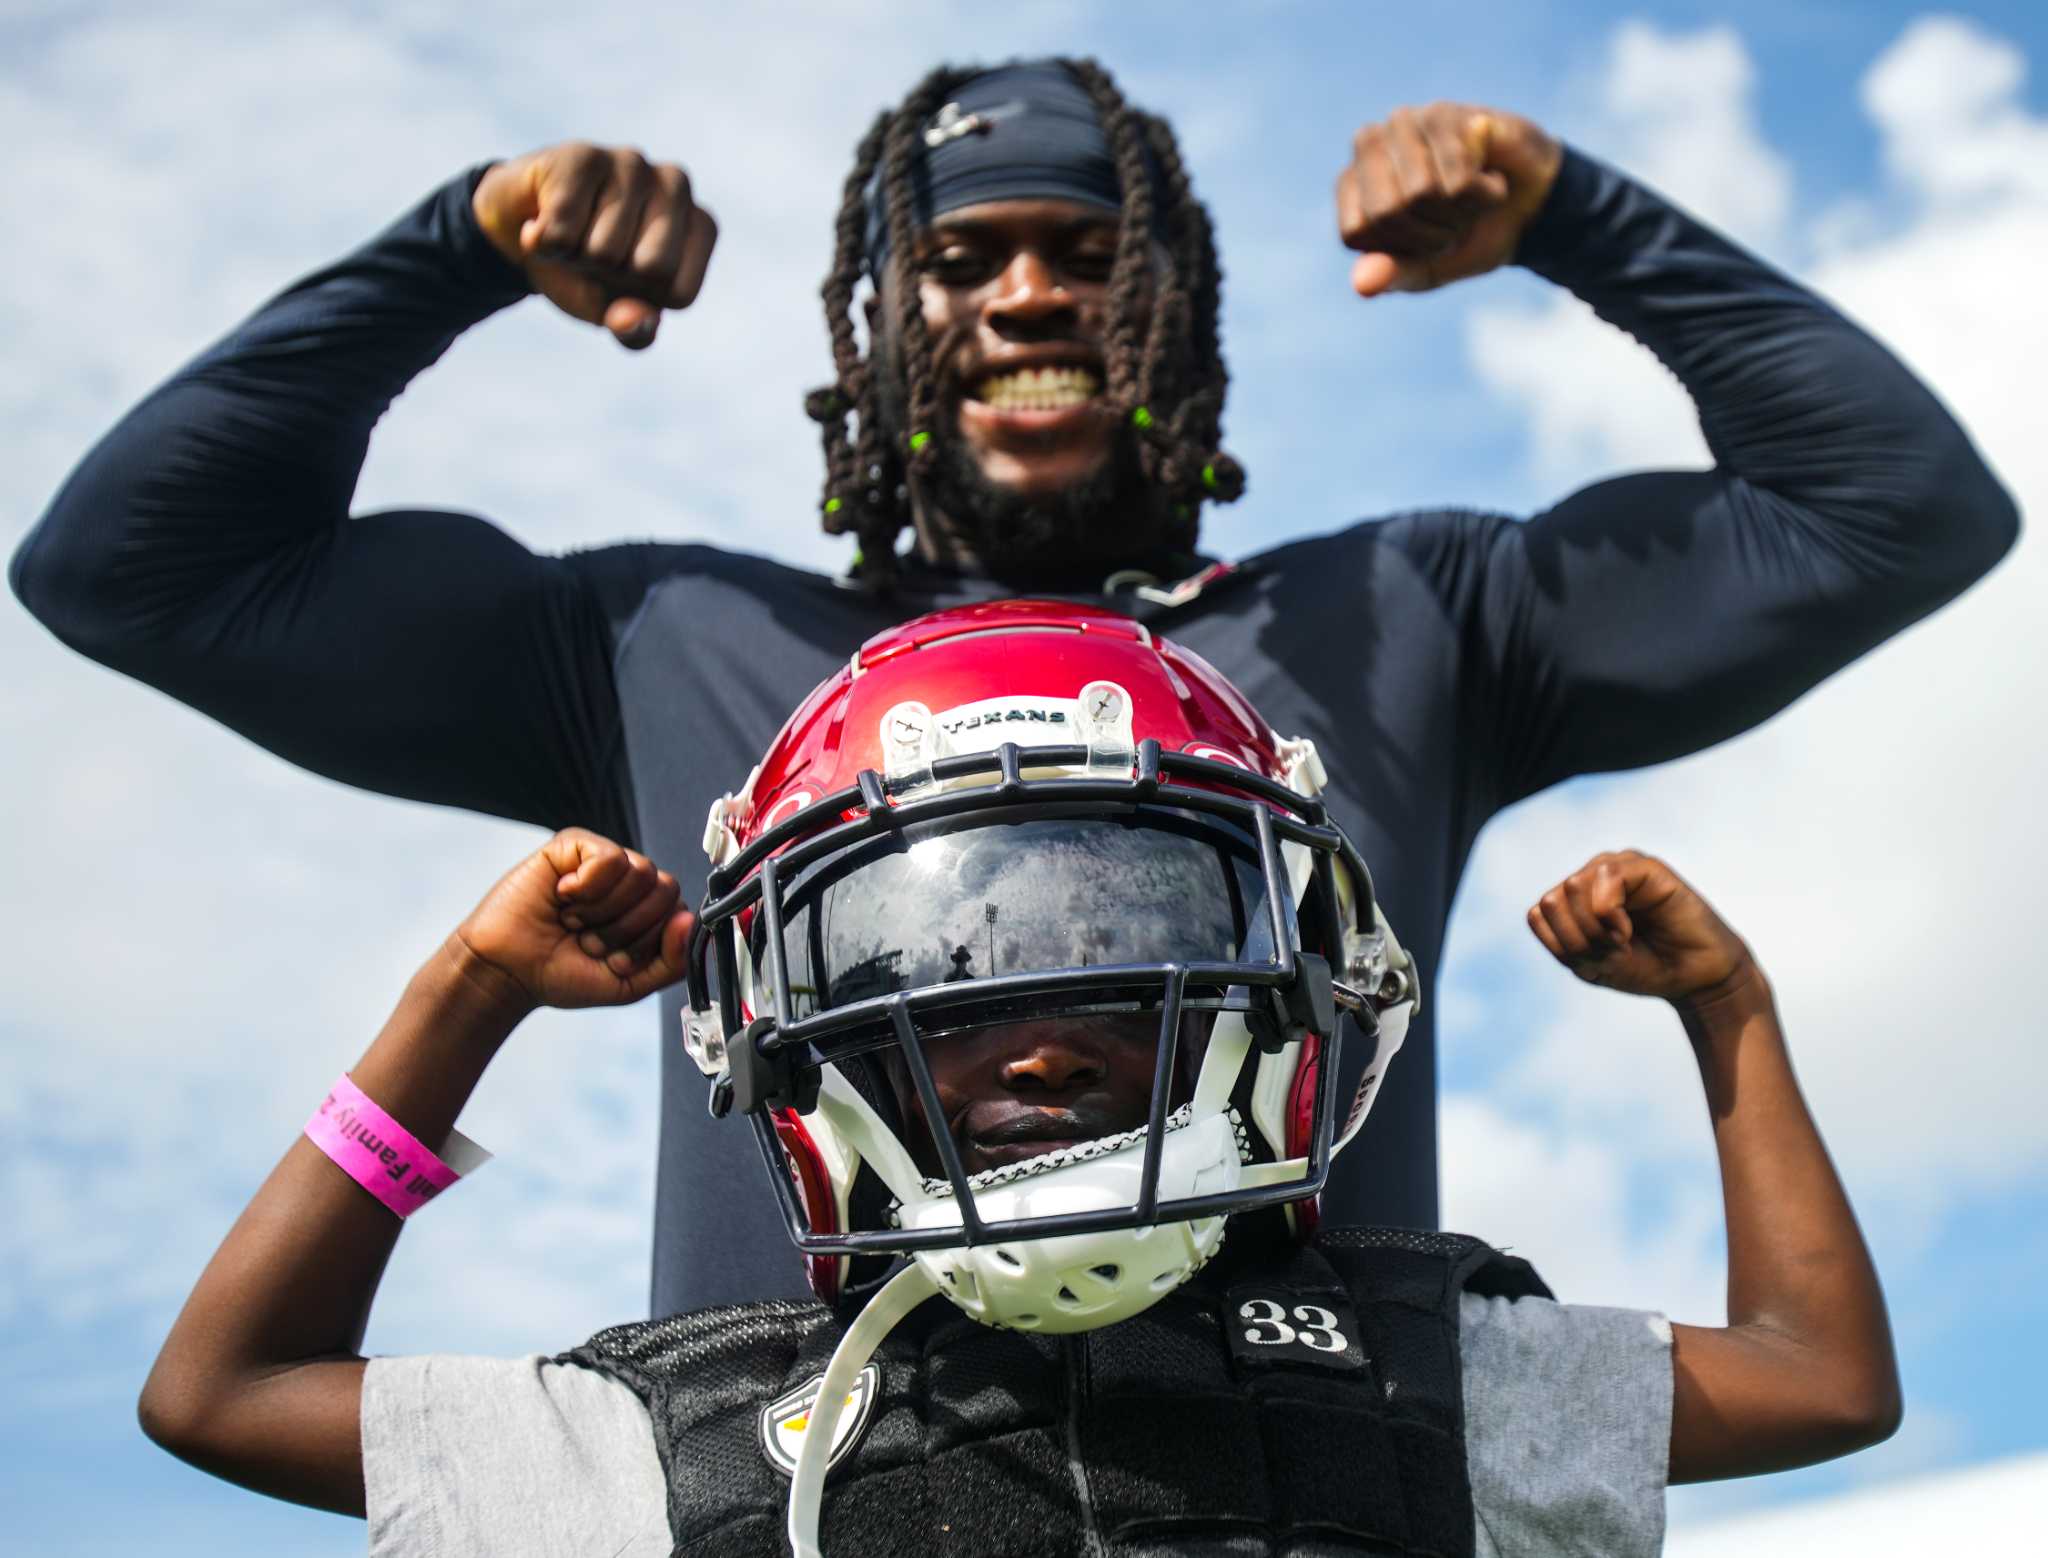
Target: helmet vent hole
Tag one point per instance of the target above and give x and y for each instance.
(1024, 1322)
(1067, 1297)
(1168, 1279)
(1009, 1258)
(1107, 1273)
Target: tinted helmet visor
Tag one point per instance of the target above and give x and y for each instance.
(930, 907)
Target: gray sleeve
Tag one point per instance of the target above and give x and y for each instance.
(1567, 1427)
(501, 1457)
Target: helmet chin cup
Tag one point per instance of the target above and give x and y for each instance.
(1078, 1282)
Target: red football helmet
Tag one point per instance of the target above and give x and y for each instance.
(1028, 811)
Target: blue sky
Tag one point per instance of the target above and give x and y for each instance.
(201, 937)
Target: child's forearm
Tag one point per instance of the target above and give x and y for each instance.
(303, 1263)
(1796, 1259)
(258, 1380)
(1806, 1364)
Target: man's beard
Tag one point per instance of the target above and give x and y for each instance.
(1108, 518)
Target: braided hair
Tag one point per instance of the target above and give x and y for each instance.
(1165, 378)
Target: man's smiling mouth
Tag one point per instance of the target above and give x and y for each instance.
(1038, 389)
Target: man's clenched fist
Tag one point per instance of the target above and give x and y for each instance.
(1433, 195)
(601, 232)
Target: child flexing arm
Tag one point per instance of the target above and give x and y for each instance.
(1804, 1370)
(260, 1381)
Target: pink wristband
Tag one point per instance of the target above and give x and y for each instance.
(376, 1151)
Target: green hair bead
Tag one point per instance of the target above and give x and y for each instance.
(833, 505)
(1141, 418)
(1209, 477)
(918, 441)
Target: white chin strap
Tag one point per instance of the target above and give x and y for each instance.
(1393, 1024)
(904, 1292)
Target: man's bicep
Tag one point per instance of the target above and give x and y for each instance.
(425, 655)
(1650, 616)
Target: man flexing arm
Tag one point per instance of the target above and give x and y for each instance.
(1651, 615)
(1454, 662)
(206, 545)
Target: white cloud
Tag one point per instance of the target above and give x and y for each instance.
(1594, 399)
(1684, 105)
(1946, 97)
(1566, 1199)
(1987, 1509)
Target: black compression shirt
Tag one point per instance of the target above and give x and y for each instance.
(1445, 663)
